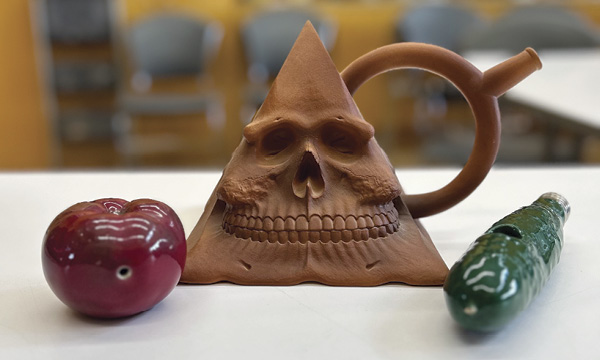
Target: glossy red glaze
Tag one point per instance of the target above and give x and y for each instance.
(112, 258)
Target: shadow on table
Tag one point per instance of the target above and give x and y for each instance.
(33, 316)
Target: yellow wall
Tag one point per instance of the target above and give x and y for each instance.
(24, 140)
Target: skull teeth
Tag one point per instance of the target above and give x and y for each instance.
(315, 228)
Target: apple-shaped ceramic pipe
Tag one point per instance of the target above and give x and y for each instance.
(112, 258)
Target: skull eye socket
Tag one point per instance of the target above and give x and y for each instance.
(340, 140)
(277, 141)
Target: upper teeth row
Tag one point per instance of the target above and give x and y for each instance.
(317, 228)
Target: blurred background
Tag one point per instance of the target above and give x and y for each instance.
(171, 83)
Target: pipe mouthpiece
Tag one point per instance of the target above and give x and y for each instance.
(564, 203)
(500, 78)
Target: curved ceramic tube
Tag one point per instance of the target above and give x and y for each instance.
(480, 90)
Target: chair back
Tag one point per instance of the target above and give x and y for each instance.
(78, 22)
(268, 37)
(173, 45)
(440, 24)
(540, 27)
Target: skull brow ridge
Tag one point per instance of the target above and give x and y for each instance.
(253, 131)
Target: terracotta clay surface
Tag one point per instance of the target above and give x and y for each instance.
(309, 195)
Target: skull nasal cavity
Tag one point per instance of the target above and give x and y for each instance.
(308, 178)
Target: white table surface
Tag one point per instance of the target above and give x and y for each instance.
(310, 321)
(567, 86)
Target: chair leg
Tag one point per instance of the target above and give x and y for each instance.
(122, 126)
(215, 114)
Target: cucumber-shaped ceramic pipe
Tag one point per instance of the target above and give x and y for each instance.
(504, 269)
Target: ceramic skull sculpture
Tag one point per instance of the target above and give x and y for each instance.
(309, 195)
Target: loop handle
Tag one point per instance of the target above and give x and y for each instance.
(479, 89)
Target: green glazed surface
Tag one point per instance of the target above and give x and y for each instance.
(504, 269)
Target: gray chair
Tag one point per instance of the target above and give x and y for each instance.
(161, 47)
(441, 24)
(268, 37)
(85, 125)
(540, 27)
(72, 77)
(173, 44)
(69, 29)
(444, 25)
(78, 22)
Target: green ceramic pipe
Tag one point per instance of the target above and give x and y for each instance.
(504, 269)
